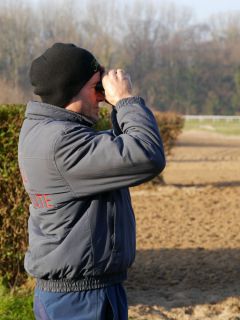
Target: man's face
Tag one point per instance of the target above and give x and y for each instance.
(88, 98)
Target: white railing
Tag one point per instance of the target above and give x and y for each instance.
(211, 117)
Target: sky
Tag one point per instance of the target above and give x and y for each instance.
(202, 9)
(205, 8)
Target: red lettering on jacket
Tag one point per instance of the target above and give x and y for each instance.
(47, 200)
(41, 200)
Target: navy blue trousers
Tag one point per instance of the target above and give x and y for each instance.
(102, 304)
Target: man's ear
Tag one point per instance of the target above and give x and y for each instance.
(75, 104)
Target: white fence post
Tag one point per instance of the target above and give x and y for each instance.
(211, 117)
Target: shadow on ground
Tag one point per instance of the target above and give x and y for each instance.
(183, 277)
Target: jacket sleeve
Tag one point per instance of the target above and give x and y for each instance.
(116, 129)
(92, 162)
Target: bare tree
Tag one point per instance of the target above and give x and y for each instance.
(16, 37)
(175, 63)
(100, 26)
(58, 22)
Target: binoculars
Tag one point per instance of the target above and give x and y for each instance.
(99, 87)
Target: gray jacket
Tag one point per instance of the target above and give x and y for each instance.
(81, 224)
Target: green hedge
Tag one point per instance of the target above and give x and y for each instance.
(14, 200)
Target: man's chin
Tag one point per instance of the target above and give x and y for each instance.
(94, 117)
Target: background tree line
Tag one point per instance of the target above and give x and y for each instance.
(176, 63)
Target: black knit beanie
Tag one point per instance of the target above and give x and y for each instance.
(59, 74)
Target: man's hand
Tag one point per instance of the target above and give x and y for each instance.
(117, 85)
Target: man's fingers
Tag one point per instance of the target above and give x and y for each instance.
(116, 73)
(112, 73)
(120, 71)
(121, 74)
(117, 85)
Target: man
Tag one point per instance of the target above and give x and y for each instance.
(81, 224)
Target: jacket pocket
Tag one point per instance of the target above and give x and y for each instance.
(124, 236)
(113, 233)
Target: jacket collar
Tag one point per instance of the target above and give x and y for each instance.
(40, 110)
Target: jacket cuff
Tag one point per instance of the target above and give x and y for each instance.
(127, 101)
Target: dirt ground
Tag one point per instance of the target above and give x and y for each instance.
(188, 235)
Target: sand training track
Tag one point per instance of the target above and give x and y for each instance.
(188, 235)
